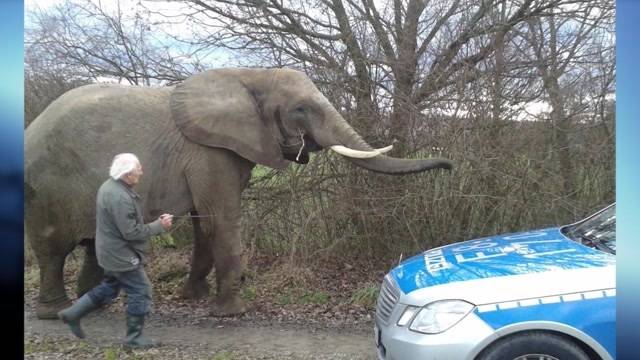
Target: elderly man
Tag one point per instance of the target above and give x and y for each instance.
(122, 244)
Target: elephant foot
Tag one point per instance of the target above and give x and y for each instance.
(49, 310)
(231, 306)
(195, 290)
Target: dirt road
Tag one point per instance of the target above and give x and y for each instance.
(208, 339)
(296, 312)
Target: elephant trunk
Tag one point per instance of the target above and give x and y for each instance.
(346, 136)
(393, 166)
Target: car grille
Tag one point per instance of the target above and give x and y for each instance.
(387, 299)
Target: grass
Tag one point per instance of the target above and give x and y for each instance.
(110, 354)
(37, 347)
(301, 296)
(224, 355)
(366, 296)
(249, 292)
(314, 297)
(164, 240)
(74, 348)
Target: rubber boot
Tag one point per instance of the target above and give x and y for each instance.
(135, 338)
(72, 315)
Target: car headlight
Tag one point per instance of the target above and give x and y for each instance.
(438, 316)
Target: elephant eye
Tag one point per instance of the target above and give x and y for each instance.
(300, 109)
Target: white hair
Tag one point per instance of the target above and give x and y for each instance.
(122, 165)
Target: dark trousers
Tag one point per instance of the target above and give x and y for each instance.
(135, 284)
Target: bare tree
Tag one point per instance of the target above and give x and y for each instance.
(42, 86)
(90, 39)
(394, 58)
(566, 47)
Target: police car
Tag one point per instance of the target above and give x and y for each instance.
(547, 294)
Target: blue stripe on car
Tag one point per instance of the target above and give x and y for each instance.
(592, 314)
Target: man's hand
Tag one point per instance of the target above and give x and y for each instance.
(166, 220)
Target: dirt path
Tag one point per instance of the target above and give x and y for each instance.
(50, 339)
(321, 311)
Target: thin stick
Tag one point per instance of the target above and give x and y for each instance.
(192, 216)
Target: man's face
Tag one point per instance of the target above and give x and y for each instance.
(133, 177)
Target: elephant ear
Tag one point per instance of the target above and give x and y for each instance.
(216, 109)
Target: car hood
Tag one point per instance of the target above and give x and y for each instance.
(522, 253)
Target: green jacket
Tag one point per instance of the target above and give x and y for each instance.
(122, 237)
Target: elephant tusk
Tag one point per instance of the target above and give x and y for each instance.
(359, 154)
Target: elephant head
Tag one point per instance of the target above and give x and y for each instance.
(274, 116)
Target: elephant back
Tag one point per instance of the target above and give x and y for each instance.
(96, 122)
(70, 145)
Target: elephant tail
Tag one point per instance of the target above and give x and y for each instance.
(29, 192)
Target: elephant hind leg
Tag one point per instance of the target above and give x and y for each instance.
(197, 286)
(53, 296)
(91, 273)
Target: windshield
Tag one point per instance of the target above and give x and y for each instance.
(598, 230)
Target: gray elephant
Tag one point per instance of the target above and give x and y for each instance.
(198, 143)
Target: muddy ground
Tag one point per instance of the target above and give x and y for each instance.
(320, 310)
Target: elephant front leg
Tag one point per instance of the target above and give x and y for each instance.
(196, 286)
(229, 277)
(216, 183)
(228, 261)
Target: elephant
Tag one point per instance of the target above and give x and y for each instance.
(198, 142)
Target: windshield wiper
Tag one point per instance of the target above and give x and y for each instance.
(596, 243)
